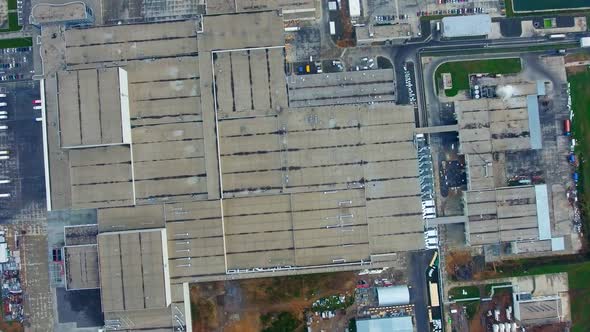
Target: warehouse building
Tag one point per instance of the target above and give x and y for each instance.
(466, 26)
(509, 196)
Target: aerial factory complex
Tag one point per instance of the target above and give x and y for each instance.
(185, 150)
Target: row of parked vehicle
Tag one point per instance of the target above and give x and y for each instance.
(431, 238)
(15, 50)
(454, 11)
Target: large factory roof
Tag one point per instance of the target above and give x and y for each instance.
(466, 26)
(225, 165)
(93, 107)
(133, 272)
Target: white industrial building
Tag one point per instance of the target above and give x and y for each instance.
(354, 8)
(389, 324)
(466, 26)
(395, 295)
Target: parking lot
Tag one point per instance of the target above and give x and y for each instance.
(16, 64)
(22, 165)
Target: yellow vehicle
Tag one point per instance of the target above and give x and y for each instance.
(433, 259)
(307, 68)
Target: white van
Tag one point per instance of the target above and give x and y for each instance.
(433, 232)
(428, 203)
(428, 210)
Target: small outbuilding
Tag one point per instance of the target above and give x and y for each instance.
(395, 295)
(466, 26)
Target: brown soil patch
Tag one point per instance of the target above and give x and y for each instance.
(558, 327)
(236, 305)
(575, 69)
(456, 259)
(577, 57)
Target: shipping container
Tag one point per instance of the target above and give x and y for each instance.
(567, 127)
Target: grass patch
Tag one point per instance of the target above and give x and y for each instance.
(11, 4)
(467, 292)
(19, 42)
(508, 8)
(460, 71)
(547, 23)
(471, 309)
(283, 322)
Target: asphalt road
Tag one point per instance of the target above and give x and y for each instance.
(418, 264)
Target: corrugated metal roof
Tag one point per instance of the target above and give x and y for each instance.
(466, 26)
(534, 122)
(395, 295)
(389, 324)
(543, 220)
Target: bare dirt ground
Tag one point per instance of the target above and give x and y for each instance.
(457, 260)
(575, 69)
(237, 305)
(577, 57)
(558, 327)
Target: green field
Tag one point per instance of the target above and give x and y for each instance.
(11, 4)
(467, 292)
(19, 42)
(12, 23)
(580, 92)
(460, 71)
